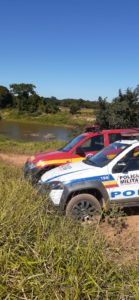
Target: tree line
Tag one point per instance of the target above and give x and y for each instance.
(24, 98)
(121, 112)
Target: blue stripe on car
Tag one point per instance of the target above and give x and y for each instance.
(103, 178)
(100, 178)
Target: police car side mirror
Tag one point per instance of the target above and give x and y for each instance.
(80, 151)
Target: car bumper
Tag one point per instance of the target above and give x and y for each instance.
(56, 197)
(29, 171)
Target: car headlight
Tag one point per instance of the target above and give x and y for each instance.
(29, 165)
(47, 187)
(55, 185)
(56, 191)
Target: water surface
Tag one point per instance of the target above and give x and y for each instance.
(33, 132)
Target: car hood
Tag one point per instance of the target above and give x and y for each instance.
(71, 173)
(48, 156)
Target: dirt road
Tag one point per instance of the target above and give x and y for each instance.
(15, 159)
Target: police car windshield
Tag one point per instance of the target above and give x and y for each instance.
(72, 143)
(103, 157)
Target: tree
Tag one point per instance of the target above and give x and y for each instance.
(102, 116)
(124, 110)
(21, 93)
(22, 89)
(51, 106)
(6, 99)
(136, 91)
(33, 103)
(74, 108)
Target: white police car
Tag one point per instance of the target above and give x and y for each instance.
(109, 177)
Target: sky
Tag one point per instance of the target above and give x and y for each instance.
(70, 48)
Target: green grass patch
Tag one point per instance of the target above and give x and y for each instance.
(20, 147)
(63, 117)
(44, 255)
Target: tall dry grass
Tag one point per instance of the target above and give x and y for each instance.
(44, 255)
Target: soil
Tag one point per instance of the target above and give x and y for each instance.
(124, 237)
(15, 159)
(122, 233)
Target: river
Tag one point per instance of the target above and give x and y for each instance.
(32, 132)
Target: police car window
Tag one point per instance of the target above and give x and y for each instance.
(133, 162)
(95, 143)
(114, 137)
(130, 162)
(103, 157)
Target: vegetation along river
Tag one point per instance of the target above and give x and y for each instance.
(33, 132)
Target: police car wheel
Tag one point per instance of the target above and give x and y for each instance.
(84, 207)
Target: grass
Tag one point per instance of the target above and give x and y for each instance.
(20, 147)
(63, 117)
(44, 255)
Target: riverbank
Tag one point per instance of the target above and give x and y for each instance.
(28, 148)
(64, 118)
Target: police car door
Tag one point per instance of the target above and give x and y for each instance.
(126, 178)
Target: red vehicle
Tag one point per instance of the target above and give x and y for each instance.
(86, 143)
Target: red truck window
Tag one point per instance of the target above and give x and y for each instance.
(114, 137)
(95, 143)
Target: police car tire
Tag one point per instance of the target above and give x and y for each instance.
(88, 198)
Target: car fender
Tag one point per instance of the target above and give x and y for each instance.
(87, 187)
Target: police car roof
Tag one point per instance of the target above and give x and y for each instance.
(128, 142)
(130, 137)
